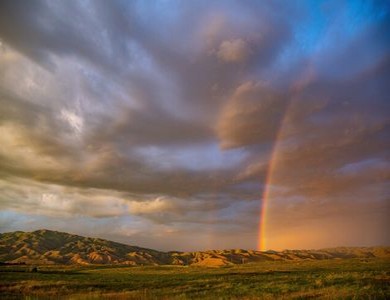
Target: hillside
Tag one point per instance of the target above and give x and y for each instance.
(52, 247)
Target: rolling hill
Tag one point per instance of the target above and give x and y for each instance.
(52, 247)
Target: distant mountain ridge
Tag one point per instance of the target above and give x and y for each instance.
(53, 247)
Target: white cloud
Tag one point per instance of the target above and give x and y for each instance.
(158, 205)
(75, 122)
(24, 195)
(234, 51)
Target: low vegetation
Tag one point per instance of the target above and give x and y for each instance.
(324, 279)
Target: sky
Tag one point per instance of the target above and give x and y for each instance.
(194, 125)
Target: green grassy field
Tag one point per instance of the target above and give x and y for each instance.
(329, 279)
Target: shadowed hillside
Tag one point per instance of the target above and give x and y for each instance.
(52, 247)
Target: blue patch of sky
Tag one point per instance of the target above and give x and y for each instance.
(356, 40)
(162, 19)
(307, 36)
(13, 221)
(238, 209)
(329, 26)
(195, 157)
(364, 166)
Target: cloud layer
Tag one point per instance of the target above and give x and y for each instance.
(160, 119)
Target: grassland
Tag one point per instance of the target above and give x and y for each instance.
(328, 279)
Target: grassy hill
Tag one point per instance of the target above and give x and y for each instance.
(52, 247)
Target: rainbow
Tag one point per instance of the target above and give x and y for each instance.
(295, 89)
(262, 238)
(266, 196)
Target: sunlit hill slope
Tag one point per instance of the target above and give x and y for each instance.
(52, 247)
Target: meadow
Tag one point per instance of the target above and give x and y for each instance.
(323, 279)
